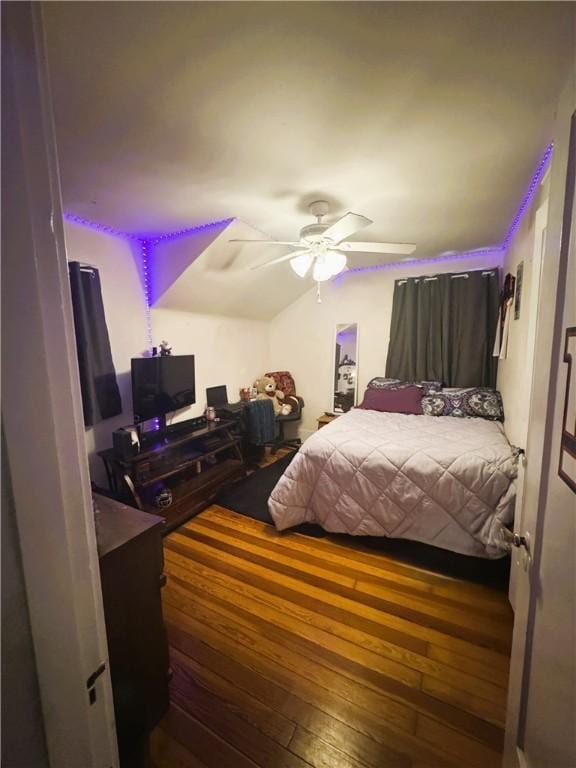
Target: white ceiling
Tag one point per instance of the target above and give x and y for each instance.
(427, 117)
(212, 275)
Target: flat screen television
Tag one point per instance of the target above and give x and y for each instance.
(161, 385)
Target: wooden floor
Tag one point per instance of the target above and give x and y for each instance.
(290, 652)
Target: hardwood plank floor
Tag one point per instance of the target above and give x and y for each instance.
(291, 652)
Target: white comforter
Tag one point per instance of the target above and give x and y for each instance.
(441, 480)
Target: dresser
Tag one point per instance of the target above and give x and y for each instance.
(131, 571)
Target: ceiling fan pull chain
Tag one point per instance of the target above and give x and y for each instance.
(319, 297)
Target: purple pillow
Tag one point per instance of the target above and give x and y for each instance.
(406, 400)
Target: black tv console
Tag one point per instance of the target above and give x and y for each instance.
(168, 432)
(190, 465)
(186, 426)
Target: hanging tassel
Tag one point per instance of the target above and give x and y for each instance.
(318, 296)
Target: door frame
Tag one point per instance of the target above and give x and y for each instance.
(541, 424)
(532, 305)
(42, 416)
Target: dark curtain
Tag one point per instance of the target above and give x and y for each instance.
(100, 393)
(443, 328)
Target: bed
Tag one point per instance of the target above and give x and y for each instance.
(445, 481)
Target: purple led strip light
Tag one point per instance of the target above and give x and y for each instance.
(529, 196)
(144, 237)
(496, 249)
(432, 260)
(147, 241)
(145, 249)
(146, 244)
(99, 227)
(154, 239)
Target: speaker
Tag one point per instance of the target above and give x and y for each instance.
(122, 444)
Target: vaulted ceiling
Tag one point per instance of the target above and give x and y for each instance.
(427, 117)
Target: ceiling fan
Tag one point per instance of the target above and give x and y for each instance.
(323, 247)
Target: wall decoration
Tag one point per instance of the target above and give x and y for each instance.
(518, 292)
(506, 300)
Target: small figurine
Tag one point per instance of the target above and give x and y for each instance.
(165, 349)
(163, 498)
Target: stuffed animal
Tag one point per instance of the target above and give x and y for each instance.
(266, 387)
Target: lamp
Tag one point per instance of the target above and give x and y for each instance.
(301, 264)
(326, 264)
(337, 261)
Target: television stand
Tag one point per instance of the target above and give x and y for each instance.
(190, 467)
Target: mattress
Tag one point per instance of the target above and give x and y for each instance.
(441, 480)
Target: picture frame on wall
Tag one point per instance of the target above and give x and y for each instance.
(518, 292)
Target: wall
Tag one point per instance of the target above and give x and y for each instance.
(515, 372)
(227, 350)
(118, 263)
(236, 351)
(302, 336)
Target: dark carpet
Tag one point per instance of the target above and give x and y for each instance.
(249, 497)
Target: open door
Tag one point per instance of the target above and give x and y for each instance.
(522, 523)
(541, 713)
(42, 418)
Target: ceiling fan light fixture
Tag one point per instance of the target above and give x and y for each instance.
(324, 248)
(321, 273)
(301, 264)
(337, 261)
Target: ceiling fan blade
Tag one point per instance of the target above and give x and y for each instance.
(269, 242)
(346, 226)
(355, 247)
(280, 259)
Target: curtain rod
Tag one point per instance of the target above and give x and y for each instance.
(82, 265)
(85, 267)
(466, 275)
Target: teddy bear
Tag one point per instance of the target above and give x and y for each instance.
(266, 387)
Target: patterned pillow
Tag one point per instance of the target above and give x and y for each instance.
(380, 382)
(479, 402)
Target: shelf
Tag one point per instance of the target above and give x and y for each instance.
(193, 494)
(191, 469)
(167, 442)
(188, 462)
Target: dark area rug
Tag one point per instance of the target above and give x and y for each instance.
(249, 497)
